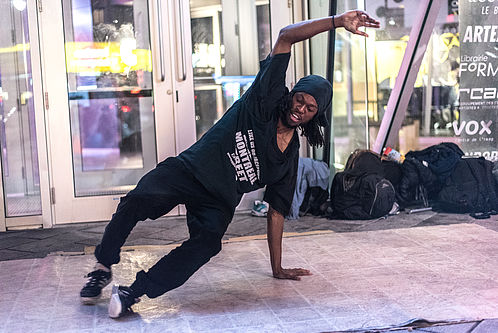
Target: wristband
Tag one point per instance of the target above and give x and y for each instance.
(333, 23)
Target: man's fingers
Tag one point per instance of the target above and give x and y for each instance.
(367, 18)
(372, 21)
(302, 271)
(361, 33)
(299, 271)
(293, 273)
(293, 276)
(371, 25)
(288, 276)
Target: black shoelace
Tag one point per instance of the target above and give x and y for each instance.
(95, 278)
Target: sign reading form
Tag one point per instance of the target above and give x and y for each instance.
(477, 128)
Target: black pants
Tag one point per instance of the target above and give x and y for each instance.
(159, 191)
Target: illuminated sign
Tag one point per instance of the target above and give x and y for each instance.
(478, 96)
(114, 57)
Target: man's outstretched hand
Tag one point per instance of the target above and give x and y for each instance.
(291, 273)
(355, 19)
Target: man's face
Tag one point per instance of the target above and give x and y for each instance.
(303, 109)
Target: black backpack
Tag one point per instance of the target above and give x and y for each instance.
(313, 201)
(361, 192)
(471, 188)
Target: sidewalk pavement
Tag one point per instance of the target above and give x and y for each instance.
(373, 276)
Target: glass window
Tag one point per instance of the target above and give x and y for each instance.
(365, 71)
(222, 74)
(109, 73)
(349, 123)
(433, 106)
(21, 179)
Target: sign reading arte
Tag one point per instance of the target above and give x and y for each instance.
(477, 128)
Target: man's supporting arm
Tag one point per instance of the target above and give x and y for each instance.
(351, 21)
(275, 230)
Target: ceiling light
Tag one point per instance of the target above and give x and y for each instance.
(20, 5)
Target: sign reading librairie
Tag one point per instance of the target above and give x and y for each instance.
(477, 126)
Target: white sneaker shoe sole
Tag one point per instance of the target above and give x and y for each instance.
(115, 306)
(258, 214)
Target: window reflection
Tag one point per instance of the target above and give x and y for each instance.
(350, 120)
(228, 39)
(19, 151)
(433, 108)
(365, 71)
(109, 73)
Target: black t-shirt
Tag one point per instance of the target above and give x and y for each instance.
(239, 154)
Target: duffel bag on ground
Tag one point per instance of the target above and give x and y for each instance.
(361, 197)
(471, 188)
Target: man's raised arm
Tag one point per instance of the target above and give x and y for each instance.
(351, 21)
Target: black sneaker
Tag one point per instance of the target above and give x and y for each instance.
(121, 301)
(92, 290)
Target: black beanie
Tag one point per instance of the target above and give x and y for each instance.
(321, 90)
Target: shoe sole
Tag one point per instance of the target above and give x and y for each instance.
(258, 214)
(90, 300)
(93, 300)
(115, 306)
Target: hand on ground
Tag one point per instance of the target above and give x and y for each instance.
(291, 273)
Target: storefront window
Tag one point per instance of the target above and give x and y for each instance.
(365, 71)
(349, 123)
(109, 77)
(222, 74)
(433, 108)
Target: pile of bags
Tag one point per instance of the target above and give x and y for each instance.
(371, 187)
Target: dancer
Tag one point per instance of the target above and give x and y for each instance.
(255, 144)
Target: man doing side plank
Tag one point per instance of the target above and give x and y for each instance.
(255, 144)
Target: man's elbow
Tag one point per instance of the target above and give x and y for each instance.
(284, 35)
(284, 42)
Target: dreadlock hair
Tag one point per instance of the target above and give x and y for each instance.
(311, 130)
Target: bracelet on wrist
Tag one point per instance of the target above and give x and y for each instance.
(333, 22)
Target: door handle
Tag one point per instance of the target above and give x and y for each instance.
(162, 76)
(181, 73)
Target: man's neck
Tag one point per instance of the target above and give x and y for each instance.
(283, 129)
(284, 135)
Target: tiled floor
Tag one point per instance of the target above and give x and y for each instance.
(361, 279)
(81, 238)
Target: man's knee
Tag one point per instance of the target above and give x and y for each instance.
(141, 206)
(215, 247)
(211, 244)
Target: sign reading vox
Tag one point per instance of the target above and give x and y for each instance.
(478, 95)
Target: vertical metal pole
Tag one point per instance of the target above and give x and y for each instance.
(428, 93)
(367, 104)
(328, 149)
(349, 84)
(403, 87)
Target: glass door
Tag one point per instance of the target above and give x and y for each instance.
(20, 95)
(109, 79)
(229, 37)
(103, 117)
